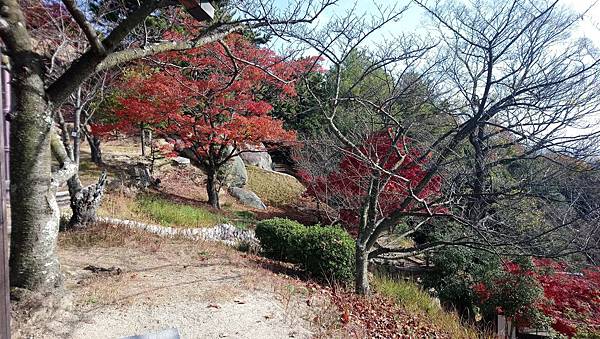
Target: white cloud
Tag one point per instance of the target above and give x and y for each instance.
(589, 26)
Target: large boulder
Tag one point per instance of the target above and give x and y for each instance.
(233, 173)
(257, 156)
(247, 198)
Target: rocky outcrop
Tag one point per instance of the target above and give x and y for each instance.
(247, 198)
(257, 156)
(233, 173)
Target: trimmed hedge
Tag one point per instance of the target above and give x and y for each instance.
(325, 252)
(276, 235)
(329, 253)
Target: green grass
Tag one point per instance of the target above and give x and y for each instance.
(243, 219)
(412, 297)
(169, 213)
(407, 293)
(273, 188)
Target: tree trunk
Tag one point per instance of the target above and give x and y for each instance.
(95, 149)
(362, 273)
(34, 211)
(76, 136)
(212, 188)
(85, 201)
(143, 140)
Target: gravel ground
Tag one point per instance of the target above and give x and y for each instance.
(205, 291)
(258, 317)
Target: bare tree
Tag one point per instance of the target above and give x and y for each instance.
(84, 201)
(33, 262)
(510, 83)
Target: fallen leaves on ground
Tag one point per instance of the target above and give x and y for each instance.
(380, 317)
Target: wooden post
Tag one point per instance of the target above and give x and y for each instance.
(4, 283)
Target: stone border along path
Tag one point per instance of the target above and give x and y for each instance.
(225, 233)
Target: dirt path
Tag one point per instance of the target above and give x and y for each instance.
(204, 290)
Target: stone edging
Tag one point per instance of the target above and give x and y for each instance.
(225, 233)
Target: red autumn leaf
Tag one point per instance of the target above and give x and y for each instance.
(345, 317)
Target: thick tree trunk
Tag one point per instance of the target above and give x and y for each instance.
(362, 273)
(34, 211)
(85, 201)
(212, 189)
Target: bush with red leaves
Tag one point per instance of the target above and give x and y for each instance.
(571, 300)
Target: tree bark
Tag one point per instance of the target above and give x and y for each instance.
(478, 206)
(362, 273)
(85, 201)
(35, 213)
(143, 139)
(76, 136)
(96, 150)
(212, 188)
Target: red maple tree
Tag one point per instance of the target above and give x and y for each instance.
(571, 300)
(346, 186)
(210, 102)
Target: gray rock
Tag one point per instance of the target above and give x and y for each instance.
(141, 177)
(181, 161)
(257, 156)
(234, 173)
(247, 198)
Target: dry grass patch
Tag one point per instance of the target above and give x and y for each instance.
(274, 188)
(416, 301)
(104, 235)
(121, 205)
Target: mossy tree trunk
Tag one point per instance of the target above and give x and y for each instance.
(362, 270)
(35, 214)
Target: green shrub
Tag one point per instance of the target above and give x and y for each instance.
(325, 252)
(328, 252)
(276, 237)
(455, 271)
